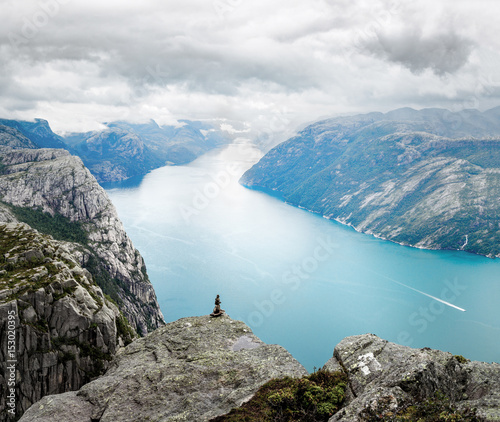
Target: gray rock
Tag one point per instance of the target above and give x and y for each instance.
(11, 137)
(385, 377)
(66, 332)
(192, 369)
(58, 183)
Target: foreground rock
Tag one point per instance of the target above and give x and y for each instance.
(190, 370)
(385, 377)
(66, 330)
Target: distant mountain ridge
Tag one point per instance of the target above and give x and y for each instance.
(428, 178)
(122, 150)
(38, 131)
(125, 150)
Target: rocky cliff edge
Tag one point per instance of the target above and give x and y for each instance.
(386, 378)
(55, 182)
(190, 370)
(66, 331)
(195, 369)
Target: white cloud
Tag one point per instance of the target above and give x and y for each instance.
(81, 63)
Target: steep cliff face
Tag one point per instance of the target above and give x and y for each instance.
(196, 369)
(54, 182)
(396, 176)
(12, 138)
(38, 131)
(190, 370)
(66, 331)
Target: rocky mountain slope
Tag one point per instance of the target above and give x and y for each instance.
(426, 178)
(386, 378)
(124, 150)
(115, 154)
(38, 132)
(190, 370)
(12, 138)
(53, 192)
(196, 369)
(66, 330)
(179, 144)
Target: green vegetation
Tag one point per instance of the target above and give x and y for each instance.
(461, 359)
(109, 285)
(315, 397)
(435, 409)
(124, 330)
(58, 226)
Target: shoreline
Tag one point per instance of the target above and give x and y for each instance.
(339, 220)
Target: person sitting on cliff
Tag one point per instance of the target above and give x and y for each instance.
(217, 310)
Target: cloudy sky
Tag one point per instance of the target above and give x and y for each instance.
(267, 64)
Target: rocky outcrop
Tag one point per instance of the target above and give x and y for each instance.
(198, 368)
(190, 370)
(407, 176)
(385, 378)
(57, 183)
(66, 331)
(12, 138)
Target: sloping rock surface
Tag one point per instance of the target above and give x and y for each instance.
(385, 377)
(66, 331)
(56, 182)
(190, 370)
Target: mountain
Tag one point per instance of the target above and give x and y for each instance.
(66, 329)
(427, 178)
(179, 144)
(124, 150)
(199, 368)
(71, 282)
(38, 132)
(114, 154)
(12, 138)
(54, 193)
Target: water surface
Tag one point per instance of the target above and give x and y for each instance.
(295, 278)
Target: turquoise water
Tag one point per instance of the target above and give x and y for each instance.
(295, 278)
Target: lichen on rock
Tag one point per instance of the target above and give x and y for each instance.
(66, 330)
(189, 370)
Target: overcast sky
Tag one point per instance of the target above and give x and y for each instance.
(269, 64)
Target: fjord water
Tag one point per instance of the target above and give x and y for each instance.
(295, 278)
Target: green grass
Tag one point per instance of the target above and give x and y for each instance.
(315, 397)
(58, 226)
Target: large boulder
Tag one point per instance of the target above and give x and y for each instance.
(385, 377)
(193, 369)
